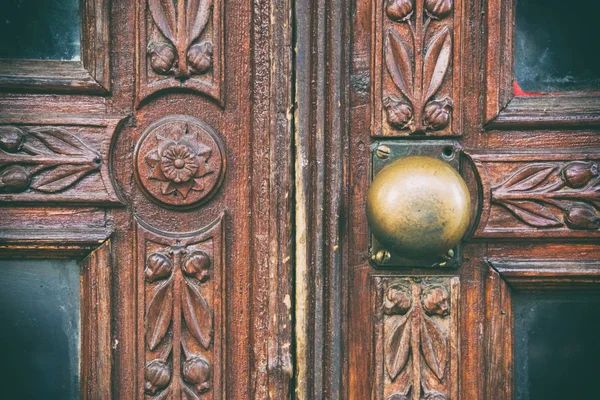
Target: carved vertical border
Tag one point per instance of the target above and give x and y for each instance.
(181, 312)
(415, 75)
(163, 37)
(416, 337)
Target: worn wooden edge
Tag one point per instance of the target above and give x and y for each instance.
(543, 112)
(51, 242)
(95, 41)
(321, 176)
(548, 275)
(498, 339)
(96, 331)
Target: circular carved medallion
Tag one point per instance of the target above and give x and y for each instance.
(179, 161)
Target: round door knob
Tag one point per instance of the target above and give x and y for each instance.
(418, 207)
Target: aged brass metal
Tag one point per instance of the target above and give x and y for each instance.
(418, 207)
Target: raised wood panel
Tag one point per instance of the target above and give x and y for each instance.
(538, 194)
(544, 275)
(179, 46)
(416, 337)
(416, 55)
(181, 315)
(57, 159)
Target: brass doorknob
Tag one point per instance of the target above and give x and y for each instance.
(418, 207)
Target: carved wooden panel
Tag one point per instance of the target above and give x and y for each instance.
(539, 194)
(416, 322)
(414, 84)
(181, 318)
(180, 46)
(179, 161)
(56, 159)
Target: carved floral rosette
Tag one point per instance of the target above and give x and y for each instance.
(538, 195)
(53, 159)
(181, 299)
(413, 80)
(416, 322)
(179, 161)
(180, 46)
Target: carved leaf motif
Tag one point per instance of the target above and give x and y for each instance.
(531, 213)
(434, 347)
(198, 12)
(165, 17)
(59, 141)
(529, 177)
(61, 177)
(160, 313)
(397, 346)
(188, 394)
(197, 314)
(399, 64)
(436, 62)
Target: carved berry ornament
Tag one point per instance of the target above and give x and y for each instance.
(180, 290)
(179, 161)
(52, 163)
(553, 195)
(414, 88)
(180, 46)
(418, 334)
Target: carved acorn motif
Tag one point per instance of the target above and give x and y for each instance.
(11, 139)
(200, 57)
(196, 371)
(437, 113)
(158, 266)
(579, 173)
(582, 216)
(399, 114)
(162, 57)
(15, 179)
(397, 300)
(198, 266)
(399, 10)
(157, 376)
(438, 9)
(435, 300)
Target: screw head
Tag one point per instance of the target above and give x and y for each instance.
(382, 152)
(381, 257)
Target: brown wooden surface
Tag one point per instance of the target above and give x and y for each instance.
(245, 101)
(295, 305)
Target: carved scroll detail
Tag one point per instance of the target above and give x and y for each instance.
(180, 46)
(417, 53)
(417, 336)
(53, 163)
(180, 278)
(559, 195)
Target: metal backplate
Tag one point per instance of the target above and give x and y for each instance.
(382, 154)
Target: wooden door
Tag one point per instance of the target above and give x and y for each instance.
(149, 143)
(477, 85)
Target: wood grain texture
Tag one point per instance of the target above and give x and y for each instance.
(180, 45)
(416, 65)
(49, 158)
(182, 316)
